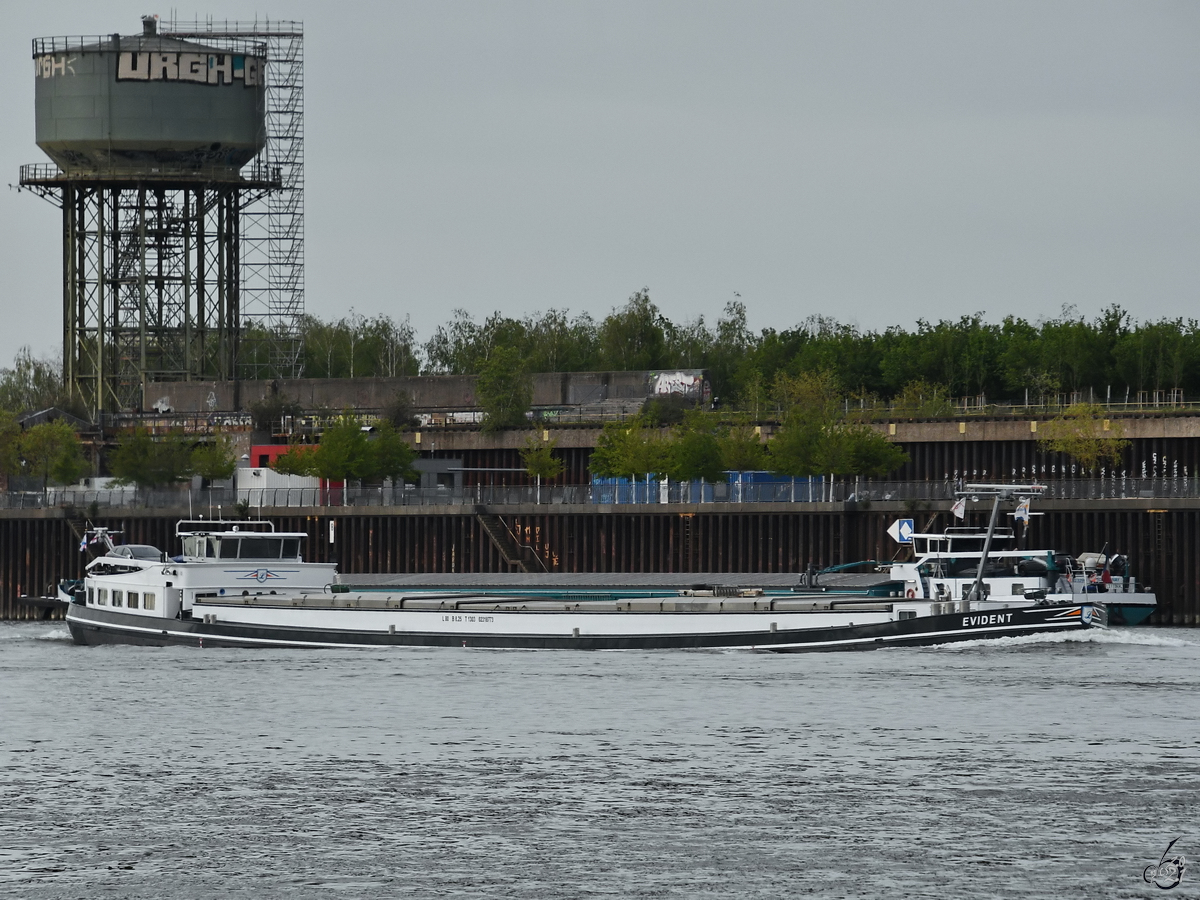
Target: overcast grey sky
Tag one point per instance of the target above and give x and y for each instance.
(875, 162)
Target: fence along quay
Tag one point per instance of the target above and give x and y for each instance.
(1161, 536)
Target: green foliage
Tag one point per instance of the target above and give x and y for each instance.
(694, 453)
(214, 460)
(871, 453)
(10, 434)
(140, 459)
(629, 450)
(668, 409)
(347, 452)
(967, 356)
(806, 448)
(357, 347)
(539, 459)
(53, 452)
(34, 384)
(921, 400)
(344, 452)
(299, 459)
(634, 337)
(797, 450)
(1081, 434)
(741, 449)
(811, 396)
(391, 456)
(504, 390)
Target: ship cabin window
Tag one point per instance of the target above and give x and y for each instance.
(102, 596)
(196, 546)
(91, 596)
(908, 614)
(131, 600)
(147, 601)
(118, 598)
(258, 547)
(136, 551)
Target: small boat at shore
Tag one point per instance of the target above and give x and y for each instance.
(245, 585)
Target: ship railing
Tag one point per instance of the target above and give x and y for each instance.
(225, 500)
(255, 174)
(103, 43)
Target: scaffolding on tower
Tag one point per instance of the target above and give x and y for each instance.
(272, 223)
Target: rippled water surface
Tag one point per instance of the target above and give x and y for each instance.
(1020, 768)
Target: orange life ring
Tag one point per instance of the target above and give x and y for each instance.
(911, 594)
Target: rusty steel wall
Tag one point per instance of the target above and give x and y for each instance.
(1163, 545)
(935, 460)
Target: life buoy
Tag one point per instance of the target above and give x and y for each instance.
(910, 594)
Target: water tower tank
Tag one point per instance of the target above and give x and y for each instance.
(149, 103)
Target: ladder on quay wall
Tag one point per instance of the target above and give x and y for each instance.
(524, 557)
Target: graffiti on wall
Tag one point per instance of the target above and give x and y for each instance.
(49, 66)
(686, 383)
(194, 68)
(199, 68)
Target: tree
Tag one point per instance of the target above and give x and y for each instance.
(811, 396)
(540, 461)
(666, 409)
(922, 400)
(214, 460)
(343, 452)
(634, 337)
(388, 347)
(391, 456)
(729, 346)
(140, 459)
(53, 452)
(628, 450)
(1082, 433)
(504, 390)
(741, 449)
(871, 453)
(298, 459)
(556, 343)
(694, 453)
(33, 384)
(807, 450)
(796, 450)
(10, 435)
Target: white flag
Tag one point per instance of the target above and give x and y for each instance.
(960, 508)
(1022, 513)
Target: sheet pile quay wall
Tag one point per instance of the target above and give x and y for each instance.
(1159, 446)
(1162, 538)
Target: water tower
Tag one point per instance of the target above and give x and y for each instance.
(156, 141)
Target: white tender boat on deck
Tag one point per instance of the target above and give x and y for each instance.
(246, 585)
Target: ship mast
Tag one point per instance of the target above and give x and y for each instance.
(998, 493)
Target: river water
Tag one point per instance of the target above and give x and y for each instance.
(1030, 767)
